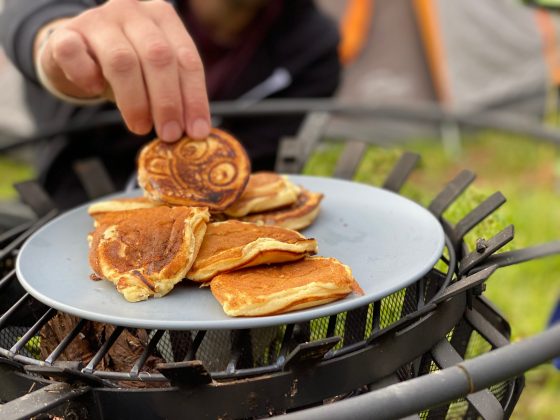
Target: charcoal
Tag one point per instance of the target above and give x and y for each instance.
(122, 355)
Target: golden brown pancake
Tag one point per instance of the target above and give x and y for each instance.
(265, 191)
(145, 252)
(232, 245)
(279, 288)
(297, 216)
(212, 172)
(122, 204)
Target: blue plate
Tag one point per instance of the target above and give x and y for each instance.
(387, 240)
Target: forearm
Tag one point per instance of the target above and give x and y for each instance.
(21, 20)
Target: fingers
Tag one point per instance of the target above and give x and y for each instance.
(121, 67)
(190, 69)
(142, 51)
(161, 76)
(66, 59)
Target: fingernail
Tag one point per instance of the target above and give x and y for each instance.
(171, 131)
(200, 129)
(142, 127)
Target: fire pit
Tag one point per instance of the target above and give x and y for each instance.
(54, 364)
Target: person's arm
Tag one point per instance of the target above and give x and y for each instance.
(21, 20)
(138, 51)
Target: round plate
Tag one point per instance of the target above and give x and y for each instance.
(387, 240)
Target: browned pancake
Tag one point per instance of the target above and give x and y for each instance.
(265, 191)
(122, 204)
(275, 289)
(232, 245)
(146, 252)
(212, 172)
(297, 216)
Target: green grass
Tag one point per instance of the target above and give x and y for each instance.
(12, 171)
(528, 174)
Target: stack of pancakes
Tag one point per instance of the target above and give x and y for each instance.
(272, 199)
(251, 255)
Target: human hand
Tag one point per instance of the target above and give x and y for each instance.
(139, 54)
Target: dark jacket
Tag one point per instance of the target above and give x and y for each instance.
(299, 50)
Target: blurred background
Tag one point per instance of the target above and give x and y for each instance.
(491, 68)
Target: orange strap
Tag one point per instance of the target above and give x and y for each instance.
(354, 29)
(550, 44)
(428, 22)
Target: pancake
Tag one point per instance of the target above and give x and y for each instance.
(264, 191)
(281, 288)
(122, 204)
(232, 245)
(145, 252)
(297, 216)
(212, 172)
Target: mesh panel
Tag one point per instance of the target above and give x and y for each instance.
(356, 325)
(10, 335)
(477, 345)
(461, 408)
(319, 328)
(410, 300)
(391, 308)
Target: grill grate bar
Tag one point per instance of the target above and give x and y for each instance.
(376, 317)
(146, 353)
(472, 219)
(94, 177)
(65, 342)
(450, 193)
(466, 283)
(103, 350)
(350, 348)
(486, 329)
(42, 400)
(420, 292)
(483, 401)
(331, 326)
(24, 360)
(33, 330)
(34, 195)
(7, 278)
(9, 234)
(21, 238)
(195, 345)
(355, 325)
(401, 171)
(521, 255)
(14, 309)
(245, 373)
(240, 340)
(485, 249)
(285, 347)
(125, 376)
(349, 160)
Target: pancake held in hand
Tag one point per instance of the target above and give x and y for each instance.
(283, 288)
(232, 245)
(146, 252)
(297, 216)
(265, 191)
(208, 173)
(122, 204)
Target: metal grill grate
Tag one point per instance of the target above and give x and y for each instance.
(263, 371)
